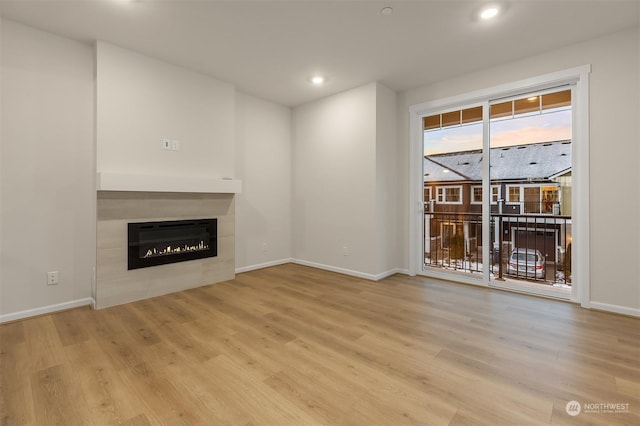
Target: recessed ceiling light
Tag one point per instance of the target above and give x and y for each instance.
(317, 80)
(489, 12)
(386, 11)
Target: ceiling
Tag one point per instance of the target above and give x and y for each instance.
(271, 48)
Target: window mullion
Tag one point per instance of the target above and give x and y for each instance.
(486, 192)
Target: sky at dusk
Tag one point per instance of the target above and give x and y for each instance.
(546, 127)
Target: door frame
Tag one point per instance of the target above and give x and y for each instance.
(579, 78)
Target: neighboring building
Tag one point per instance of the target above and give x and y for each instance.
(530, 198)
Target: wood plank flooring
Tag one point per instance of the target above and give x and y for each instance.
(292, 345)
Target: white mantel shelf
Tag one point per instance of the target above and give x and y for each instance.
(151, 183)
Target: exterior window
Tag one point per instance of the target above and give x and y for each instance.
(535, 199)
(550, 200)
(476, 194)
(532, 199)
(427, 193)
(495, 194)
(514, 194)
(449, 194)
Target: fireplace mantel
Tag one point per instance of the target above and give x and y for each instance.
(107, 181)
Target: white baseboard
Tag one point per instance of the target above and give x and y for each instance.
(390, 272)
(263, 265)
(46, 309)
(366, 276)
(350, 272)
(624, 310)
(344, 271)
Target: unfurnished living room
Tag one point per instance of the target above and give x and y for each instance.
(319, 212)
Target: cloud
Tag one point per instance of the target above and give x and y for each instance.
(547, 127)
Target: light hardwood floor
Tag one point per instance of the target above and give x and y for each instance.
(292, 345)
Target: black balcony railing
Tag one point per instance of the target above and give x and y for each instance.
(532, 247)
(554, 208)
(531, 207)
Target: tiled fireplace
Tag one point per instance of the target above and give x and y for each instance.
(116, 283)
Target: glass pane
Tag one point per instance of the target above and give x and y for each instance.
(495, 194)
(431, 122)
(530, 173)
(556, 100)
(550, 200)
(452, 166)
(514, 194)
(477, 194)
(526, 105)
(451, 119)
(504, 109)
(532, 200)
(471, 115)
(452, 195)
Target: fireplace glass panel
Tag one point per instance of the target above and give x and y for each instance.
(157, 243)
(164, 242)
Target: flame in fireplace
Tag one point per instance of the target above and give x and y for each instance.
(175, 250)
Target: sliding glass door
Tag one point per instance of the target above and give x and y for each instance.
(530, 150)
(452, 183)
(496, 199)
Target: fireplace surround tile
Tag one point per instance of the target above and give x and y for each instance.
(175, 277)
(180, 205)
(109, 233)
(117, 292)
(115, 284)
(122, 205)
(109, 265)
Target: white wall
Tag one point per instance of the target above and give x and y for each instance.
(141, 101)
(263, 163)
(614, 146)
(637, 120)
(333, 174)
(387, 197)
(47, 170)
(345, 182)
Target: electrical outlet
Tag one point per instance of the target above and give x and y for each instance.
(345, 251)
(265, 247)
(52, 278)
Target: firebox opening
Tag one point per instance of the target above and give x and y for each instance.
(157, 243)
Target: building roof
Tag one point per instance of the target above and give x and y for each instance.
(437, 172)
(534, 161)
